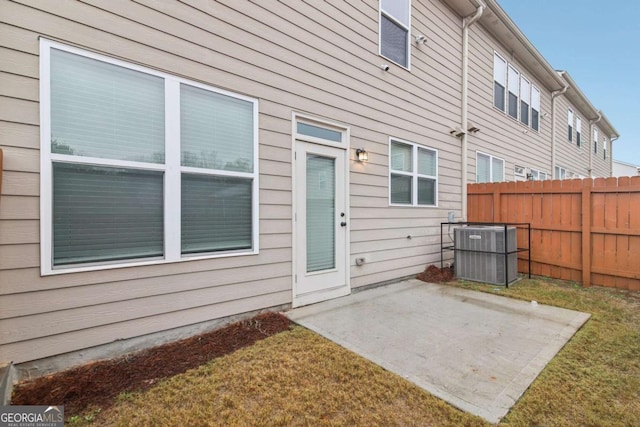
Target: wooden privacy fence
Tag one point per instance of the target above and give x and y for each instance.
(585, 230)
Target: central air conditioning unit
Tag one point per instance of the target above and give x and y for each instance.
(480, 254)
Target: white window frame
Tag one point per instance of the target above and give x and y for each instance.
(406, 26)
(525, 97)
(535, 106)
(519, 171)
(578, 131)
(500, 77)
(604, 148)
(491, 158)
(560, 172)
(513, 72)
(538, 175)
(414, 174)
(595, 140)
(570, 125)
(172, 168)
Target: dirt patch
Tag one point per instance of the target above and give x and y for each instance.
(99, 383)
(433, 274)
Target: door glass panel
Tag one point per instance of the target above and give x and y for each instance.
(320, 213)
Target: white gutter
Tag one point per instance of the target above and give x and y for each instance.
(466, 23)
(592, 123)
(554, 95)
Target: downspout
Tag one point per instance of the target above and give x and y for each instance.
(554, 95)
(611, 154)
(592, 123)
(466, 23)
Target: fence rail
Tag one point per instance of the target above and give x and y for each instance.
(585, 230)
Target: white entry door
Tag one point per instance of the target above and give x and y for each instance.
(321, 223)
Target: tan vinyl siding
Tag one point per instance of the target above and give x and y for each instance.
(320, 59)
(501, 135)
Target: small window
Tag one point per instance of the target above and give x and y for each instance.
(570, 124)
(535, 108)
(604, 148)
(395, 29)
(413, 174)
(514, 92)
(537, 175)
(489, 168)
(595, 141)
(499, 81)
(560, 172)
(578, 131)
(319, 132)
(518, 171)
(525, 100)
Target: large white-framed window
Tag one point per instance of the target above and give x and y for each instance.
(395, 31)
(535, 108)
(570, 124)
(499, 82)
(489, 168)
(578, 131)
(560, 173)
(537, 175)
(140, 166)
(513, 83)
(595, 140)
(413, 174)
(525, 100)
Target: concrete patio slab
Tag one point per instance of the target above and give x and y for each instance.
(477, 351)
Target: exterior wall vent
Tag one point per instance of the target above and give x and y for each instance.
(481, 255)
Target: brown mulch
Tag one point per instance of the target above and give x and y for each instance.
(99, 383)
(433, 274)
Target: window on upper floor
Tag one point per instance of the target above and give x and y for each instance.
(560, 172)
(578, 131)
(595, 141)
(499, 82)
(413, 174)
(570, 124)
(535, 108)
(513, 83)
(525, 100)
(604, 148)
(489, 168)
(141, 166)
(514, 94)
(395, 30)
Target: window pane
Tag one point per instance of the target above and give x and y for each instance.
(498, 96)
(321, 213)
(497, 172)
(535, 98)
(401, 189)
(535, 120)
(427, 162)
(393, 39)
(401, 157)
(216, 130)
(106, 214)
(216, 213)
(524, 113)
(483, 168)
(570, 133)
(426, 191)
(513, 105)
(399, 9)
(499, 70)
(319, 132)
(104, 110)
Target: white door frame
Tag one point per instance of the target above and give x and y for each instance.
(310, 298)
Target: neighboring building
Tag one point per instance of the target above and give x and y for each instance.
(625, 169)
(171, 164)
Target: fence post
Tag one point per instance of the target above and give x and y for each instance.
(587, 185)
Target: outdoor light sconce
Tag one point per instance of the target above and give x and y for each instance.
(362, 155)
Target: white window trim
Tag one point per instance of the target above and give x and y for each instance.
(408, 28)
(519, 168)
(570, 121)
(505, 76)
(579, 141)
(414, 174)
(595, 140)
(172, 190)
(534, 88)
(561, 171)
(491, 157)
(517, 94)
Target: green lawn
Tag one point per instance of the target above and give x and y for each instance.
(300, 378)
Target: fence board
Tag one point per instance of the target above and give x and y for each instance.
(582, 230)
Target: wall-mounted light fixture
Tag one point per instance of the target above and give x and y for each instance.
(472, 128)
(362, 155)
(384, 67)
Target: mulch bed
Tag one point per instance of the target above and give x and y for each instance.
(99, 383)
(433, 274)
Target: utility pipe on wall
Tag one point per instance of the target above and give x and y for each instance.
(466, 23)
(592, 123)
(554, 95)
